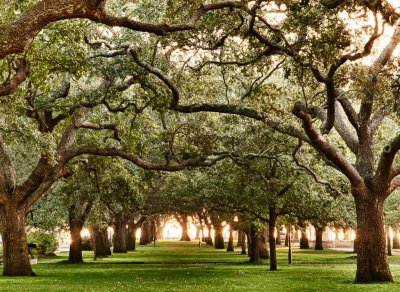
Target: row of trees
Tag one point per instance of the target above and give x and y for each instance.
(319, 72)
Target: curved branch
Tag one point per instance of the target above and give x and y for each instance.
(275, 124)
(22, 71)
(18, 35)
(312, 172)
(93, 126)
(330, 152)
(201, 161)
(385, 173)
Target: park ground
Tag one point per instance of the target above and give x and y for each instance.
(183, 266)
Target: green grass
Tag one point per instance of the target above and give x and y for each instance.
(320, 273)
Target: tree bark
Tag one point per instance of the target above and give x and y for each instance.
(254, 245)
(239, 242)
(144, 234)
(218, 237)
(75, 247)
(208, 239)
(264, 254)
(396, 242)
(389, 245)
(304, 244)
(273, 265)
(372, 263)
(131, 236)
(278, 236)
(243, 240)
(101, 246)
(185, 234)
(119, 240)
(15, 245)
(230, 242)
(318, 238)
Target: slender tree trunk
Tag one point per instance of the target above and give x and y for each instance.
(318, 238)
(243, 240)
(287, 238)
(230, 242)
(209, 240)
(239, 242)
(160, 229)
(389, 245)
(372, 263)
(75, 247)
(197, 237)
(273, 265)
(218, 237)
(119, 240)
(15, 245)
(396, 242)
(278, 236)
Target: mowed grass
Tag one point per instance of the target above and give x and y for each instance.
(171, 266)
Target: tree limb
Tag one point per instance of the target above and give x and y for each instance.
(18, 35)
(93, 126)
(21, 72)
(312, 172)
(330, 152)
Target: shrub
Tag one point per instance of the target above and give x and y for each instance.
(46, 242)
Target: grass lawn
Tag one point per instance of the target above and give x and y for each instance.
(170, 267)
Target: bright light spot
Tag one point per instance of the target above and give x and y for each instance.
(341, 235)
(172, 230)
(85, 232)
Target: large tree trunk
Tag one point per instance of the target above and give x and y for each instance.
(145, 233)
(101, 246)
(131, 236)
(75, 247)
(230, 242)
(372, 263)
(119, 240)
(318, 238)
(272, 241)
(304, 244)
(185, 234)
(254, 245)
(218, 237)
(264, 254)
(15, 245)
(209, 240)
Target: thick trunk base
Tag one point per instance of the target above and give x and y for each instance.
(372, 263)
(15, 245)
